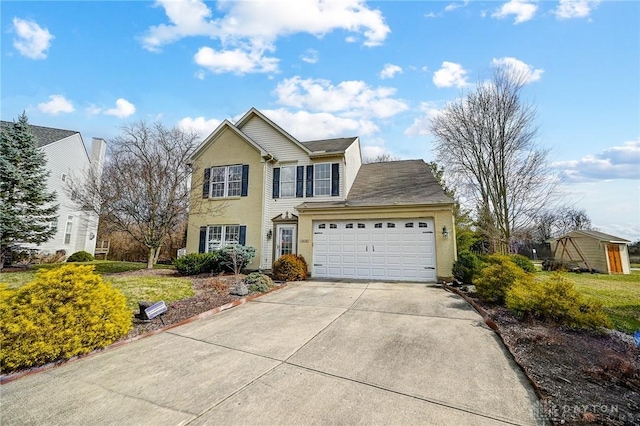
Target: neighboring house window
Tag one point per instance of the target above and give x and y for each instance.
(64, 177)
(287, 182)
(67, 230)
(226, 181)
(322, 179)
(214, 237)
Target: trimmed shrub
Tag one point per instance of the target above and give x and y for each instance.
(259, 282)
(523, 262)
(555, 299)
(290, 267)
(495, 279)
(64, 312)
(197, 263)
(81, 256)
(466, 267)
(236, 257)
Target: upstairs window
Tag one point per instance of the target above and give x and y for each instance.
(287, 182)
(226, 181)
(322, 179)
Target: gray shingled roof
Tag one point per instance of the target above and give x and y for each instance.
(407, 182)
(329, 145)
(44, 135)
(600, 236)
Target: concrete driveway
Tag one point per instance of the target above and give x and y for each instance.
(312, 353)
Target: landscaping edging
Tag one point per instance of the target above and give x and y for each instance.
(7, 378)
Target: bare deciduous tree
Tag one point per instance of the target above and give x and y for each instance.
(487, 142)
(559, 221)
(144, 187)
(380, 158)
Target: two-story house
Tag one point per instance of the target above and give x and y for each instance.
(386, 221)
(67, 158)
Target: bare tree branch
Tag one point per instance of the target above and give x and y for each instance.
(487, 141)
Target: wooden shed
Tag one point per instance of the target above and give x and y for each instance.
(593, 250)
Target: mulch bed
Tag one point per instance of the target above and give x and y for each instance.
(582, 377)
(210, 293)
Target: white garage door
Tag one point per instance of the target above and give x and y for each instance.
(375, 249)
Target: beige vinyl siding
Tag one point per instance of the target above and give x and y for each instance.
(272, 140)
(228, 149)
(353, 161)
(595, 251)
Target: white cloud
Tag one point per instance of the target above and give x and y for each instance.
(305, 125)
(568, 9)
(93, 109)
(453, 6)
(449, 75)
(200, 125)
(617, 162)
(350, 98)
(519, 69)
(33, 41)
(56, 105)
(200, 74)
(420, 125)
(522, 9)
(246, 30)
(239, 61)
(310, 56)
(389, 71)
(123, 109)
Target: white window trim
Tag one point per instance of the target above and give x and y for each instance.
(68, 230)
(316, 180)
(293, 181)
(223, 237)
(226, 182)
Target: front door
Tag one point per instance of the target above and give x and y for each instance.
(286, 242)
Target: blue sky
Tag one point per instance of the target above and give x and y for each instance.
(378, 70)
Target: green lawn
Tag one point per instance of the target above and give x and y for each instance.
(619, 295)
(152, 288)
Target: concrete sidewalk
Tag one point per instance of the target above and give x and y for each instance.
(312, 353)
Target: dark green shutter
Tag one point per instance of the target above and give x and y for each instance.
(203, 239)
(335, 179)
(299, 181)
(206, 183)
(309, 181)
(276, 182)
(242, 238)
(245, 180)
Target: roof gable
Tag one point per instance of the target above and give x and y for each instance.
(253, 112)
(226, 125)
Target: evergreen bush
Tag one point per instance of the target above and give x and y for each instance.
(236, 257)
(290, 267)
(497, 276)
(198, 263)
(523, 262)
(81, 256)
(466, 267)
(259, 282)
(557, 300)
(64, 312)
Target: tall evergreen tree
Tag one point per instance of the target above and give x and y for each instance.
(26, 208)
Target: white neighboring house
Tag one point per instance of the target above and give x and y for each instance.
(67, 158)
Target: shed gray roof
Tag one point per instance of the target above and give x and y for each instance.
(44, 135)
(600, 236)
(408, 182)
(329, 145)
